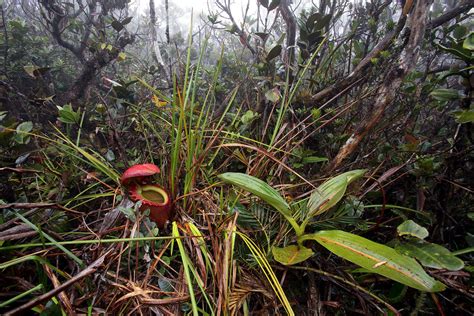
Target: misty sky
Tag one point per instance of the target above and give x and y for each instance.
(198, 7)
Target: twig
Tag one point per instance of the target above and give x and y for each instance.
(87, 271)
(19, 170)
(37, 205)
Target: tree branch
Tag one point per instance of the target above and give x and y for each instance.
(363, 66)
(463, 7)
(391, 85)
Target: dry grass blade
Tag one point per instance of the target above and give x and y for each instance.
(92, 268)
(66, 303)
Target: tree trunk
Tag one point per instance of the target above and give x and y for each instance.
(387, 92)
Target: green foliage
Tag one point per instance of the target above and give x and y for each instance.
(378, 259)
(68, 115)
(330, 192)
(410, 228)
(259, 188)
(22, 135)
(431, 255)
(292, 254)
(234, 101)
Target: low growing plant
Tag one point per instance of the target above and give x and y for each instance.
(374, 257)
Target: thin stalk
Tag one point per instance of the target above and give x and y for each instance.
(92, 241)
(51, 239)
(21, 295)
(462, 251)
(185, 260)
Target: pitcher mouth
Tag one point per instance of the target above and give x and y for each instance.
(149, 193)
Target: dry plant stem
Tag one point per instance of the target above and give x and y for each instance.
(37, 205)
(461, 8)
(154, 264)
(358, 287)
(62, 295)
(20, 170)
(87, 271)
(438, 304)
(224, 268)
(290, 20)
(389, 89)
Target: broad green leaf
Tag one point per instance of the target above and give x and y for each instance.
(411, 228)
(24, 127)
(330, 192)
(274, 52)
(377, 258)
(67, 114)
(259, 188)
(445, 94)
(312, 19)
(22, 130)
(469, 42)
(464, 116)
(248, 117)
(459, 31)
(431, 255)
(323, 23)
(291, 254)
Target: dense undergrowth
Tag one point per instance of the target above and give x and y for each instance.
(72, 241)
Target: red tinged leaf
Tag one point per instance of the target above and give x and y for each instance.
(137, 172)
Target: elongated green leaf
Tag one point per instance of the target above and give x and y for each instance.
(377, 258)
(411, 228)
(330, 192)
(445, 94)
(464, 116)
(431, 255)
(268, 272)
(291, 254)
(259, 188)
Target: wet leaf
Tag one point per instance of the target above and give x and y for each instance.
(291, 254)
(431, 255)
(259, 188)
(469, 42)
(445, 94)
(466, 116)
(377, 258)
(330, 192)
(411, 228)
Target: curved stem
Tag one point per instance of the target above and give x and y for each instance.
(295, 225)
